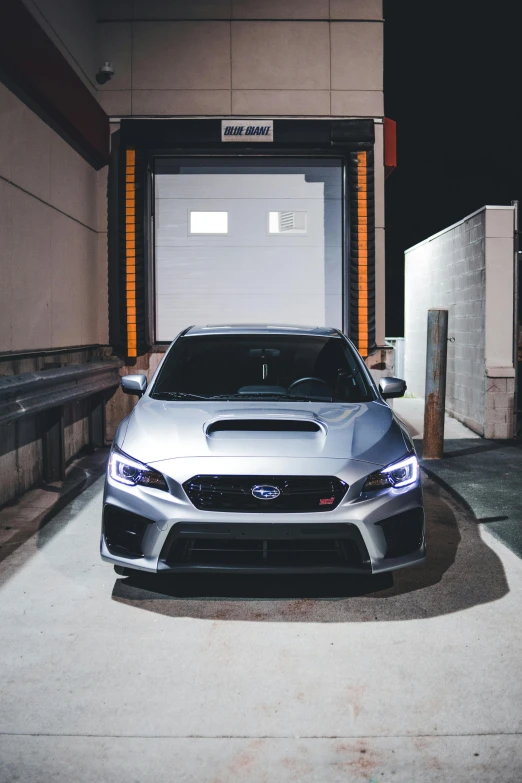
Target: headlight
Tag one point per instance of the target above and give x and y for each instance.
(129, 471)
(399, 474)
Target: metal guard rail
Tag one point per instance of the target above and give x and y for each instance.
(33, 392)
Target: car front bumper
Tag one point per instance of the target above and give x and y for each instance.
(163, 532)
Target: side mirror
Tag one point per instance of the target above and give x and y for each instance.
(134, 384)
(392, 387)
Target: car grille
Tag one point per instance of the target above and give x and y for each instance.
(234, 493)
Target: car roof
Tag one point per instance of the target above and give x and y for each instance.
(317, 331)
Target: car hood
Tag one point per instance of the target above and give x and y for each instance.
(158, 430)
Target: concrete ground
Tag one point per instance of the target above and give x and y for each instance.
(482, 474)
(24, 516)
(411, 411)
(413, 679)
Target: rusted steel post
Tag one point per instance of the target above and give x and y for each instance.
(435, 397)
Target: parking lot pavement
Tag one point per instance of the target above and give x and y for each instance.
(235, 679)
(482, 474)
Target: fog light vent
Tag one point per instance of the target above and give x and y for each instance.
(404, 533)
(124, 531)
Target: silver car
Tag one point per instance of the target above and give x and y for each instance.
(262, 449)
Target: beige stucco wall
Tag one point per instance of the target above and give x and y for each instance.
(52, 239)
(242, 57)
(304, 58)
(309, 58)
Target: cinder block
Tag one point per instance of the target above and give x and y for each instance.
(499, 401)
(496, 431)
(496, 385)
(500, 416)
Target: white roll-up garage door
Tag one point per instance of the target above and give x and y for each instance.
(241, 248)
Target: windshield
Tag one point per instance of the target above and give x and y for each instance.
(255, 366)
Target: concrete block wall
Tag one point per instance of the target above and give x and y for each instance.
(500, 398)
(468, 269)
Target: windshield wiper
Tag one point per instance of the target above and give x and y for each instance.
(244, 397)
(179, 396)
(268, 396)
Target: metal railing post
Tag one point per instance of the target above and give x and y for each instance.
(435, 396)
(53, 446)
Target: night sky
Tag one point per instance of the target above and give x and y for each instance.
(453, 83)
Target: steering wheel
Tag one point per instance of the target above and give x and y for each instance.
(305, 380)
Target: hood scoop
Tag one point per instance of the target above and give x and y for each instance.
(265, 433)
(222, 426)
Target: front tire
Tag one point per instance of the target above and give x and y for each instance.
(122, 571)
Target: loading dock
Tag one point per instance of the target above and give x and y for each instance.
(318, 265)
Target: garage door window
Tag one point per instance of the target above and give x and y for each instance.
(287, 222)
(208, 222)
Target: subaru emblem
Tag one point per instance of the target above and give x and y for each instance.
(265, 492)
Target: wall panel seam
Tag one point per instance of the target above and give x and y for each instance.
(157, 20)
(231, 66)
(51, 206)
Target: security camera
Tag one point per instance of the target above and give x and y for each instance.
(105, 73)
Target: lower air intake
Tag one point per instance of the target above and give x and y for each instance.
(266, 547)
(318, 553)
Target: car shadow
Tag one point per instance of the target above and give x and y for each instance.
(460, 571)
